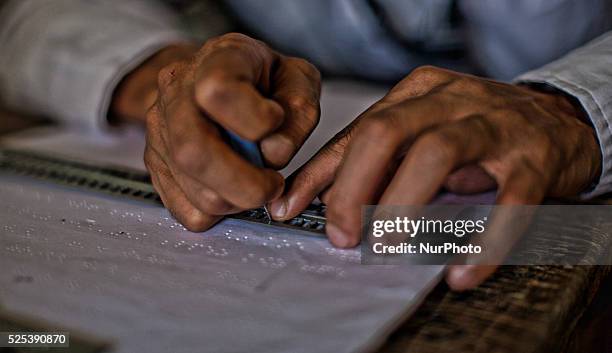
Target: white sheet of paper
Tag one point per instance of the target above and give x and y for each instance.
(129, 273)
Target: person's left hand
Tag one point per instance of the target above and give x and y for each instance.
(441, 128)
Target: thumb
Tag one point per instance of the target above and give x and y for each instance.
(469, 179)
(307, 182)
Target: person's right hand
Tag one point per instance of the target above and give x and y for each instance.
(240, 84)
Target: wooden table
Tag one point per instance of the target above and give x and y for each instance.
(520, 309)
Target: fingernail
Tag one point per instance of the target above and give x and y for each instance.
(461, 277)
(278, 208)
(337, 236)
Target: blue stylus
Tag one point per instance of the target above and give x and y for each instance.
(248, 150)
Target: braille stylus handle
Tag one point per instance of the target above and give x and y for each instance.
(249, 151)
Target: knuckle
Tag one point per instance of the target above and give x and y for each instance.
(152, 117)
(212, 89)
(304, 105)
(428, 72)
(375, 127)
(185, 154)
(194, 220)
(299, 102)
(300, 62)
(212, 203)
(235, 36)
(306, 67)
(475, 87)
(167, 74)
(437, 148)
(228, 40)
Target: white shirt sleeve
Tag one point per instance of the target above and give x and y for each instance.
(64, 58)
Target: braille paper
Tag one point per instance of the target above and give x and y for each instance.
(129, 273)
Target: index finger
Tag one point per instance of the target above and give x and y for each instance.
(377, 141)
(434, 156)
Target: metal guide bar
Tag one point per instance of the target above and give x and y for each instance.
(123, 182)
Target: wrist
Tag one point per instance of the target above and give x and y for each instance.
(565, 102)
(569, 105)
(137, 91)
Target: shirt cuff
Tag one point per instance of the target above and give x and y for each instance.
(109, 77)
(595, 112)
